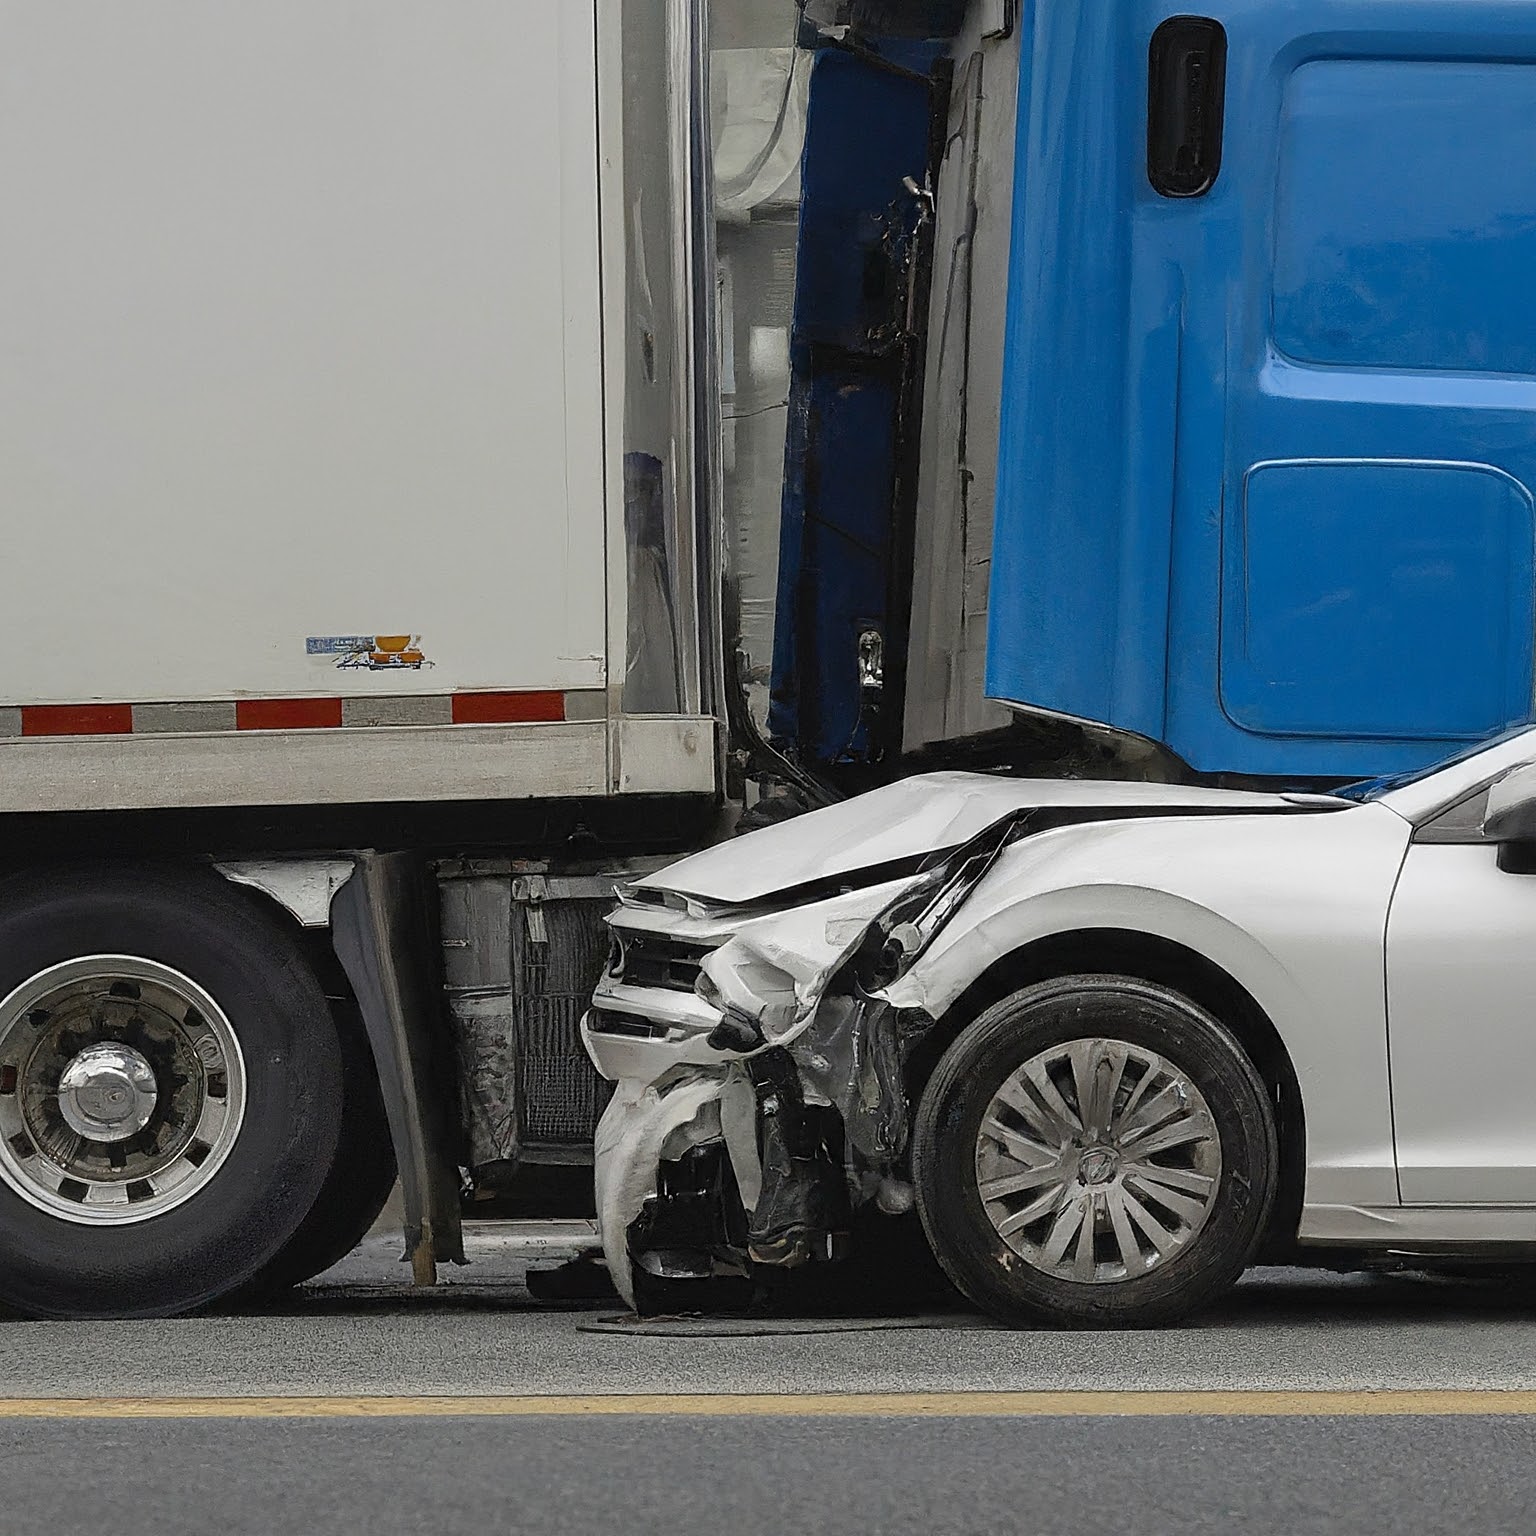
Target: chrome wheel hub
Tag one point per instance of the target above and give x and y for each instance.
(108, 1093)
(122, 1089)
(1097, 1161)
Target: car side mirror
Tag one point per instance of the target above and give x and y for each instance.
(1510, 820)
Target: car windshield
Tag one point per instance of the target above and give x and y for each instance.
(1372, 789)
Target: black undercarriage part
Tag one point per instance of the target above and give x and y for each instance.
(694, 1225)
(802, 1213)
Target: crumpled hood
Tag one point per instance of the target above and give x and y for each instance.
(931, 813)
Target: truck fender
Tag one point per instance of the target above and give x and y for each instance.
(375, 908)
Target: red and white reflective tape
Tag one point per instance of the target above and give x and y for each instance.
(303, 714)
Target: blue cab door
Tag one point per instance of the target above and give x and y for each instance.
(1269, 449)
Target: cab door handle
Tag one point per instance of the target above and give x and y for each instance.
(1186, 105)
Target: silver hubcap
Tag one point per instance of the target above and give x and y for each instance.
(122, 1089)
(108, 1093)
(1097, 1161)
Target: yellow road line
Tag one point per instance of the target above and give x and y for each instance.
(885, 1405)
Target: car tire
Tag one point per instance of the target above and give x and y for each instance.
(224, 1211)
(1127, 1267)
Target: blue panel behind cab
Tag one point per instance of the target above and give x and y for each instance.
(867, 129)
(1352, 304)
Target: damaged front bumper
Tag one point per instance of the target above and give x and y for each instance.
(729, 1090)
(761, 1071)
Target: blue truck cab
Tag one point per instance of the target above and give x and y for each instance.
(1266, 448)
(1268, 440)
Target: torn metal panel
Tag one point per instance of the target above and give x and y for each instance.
(775, 970)
(849, 1043)
(738, 1128)
(803, 1133)
(853, 1059)
(637, 1126)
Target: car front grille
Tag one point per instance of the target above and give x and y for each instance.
(648, 960)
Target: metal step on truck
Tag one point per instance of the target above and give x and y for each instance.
(458, 457)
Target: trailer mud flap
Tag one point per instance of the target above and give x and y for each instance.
(378, 925)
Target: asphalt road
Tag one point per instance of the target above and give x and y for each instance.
(1308, 1403)
(661, 1477)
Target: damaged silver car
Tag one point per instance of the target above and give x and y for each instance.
(1113, 1041)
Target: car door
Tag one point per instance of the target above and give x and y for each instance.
(1461, 1015)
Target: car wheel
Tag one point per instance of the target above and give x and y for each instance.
(1095, 1151)
(171, 1083)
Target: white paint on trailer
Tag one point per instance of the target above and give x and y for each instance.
(662, 754)
(303, 320)
(346, 767)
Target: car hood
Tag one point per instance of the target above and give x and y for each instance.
(869, 837)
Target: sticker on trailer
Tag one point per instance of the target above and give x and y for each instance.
(370, 653)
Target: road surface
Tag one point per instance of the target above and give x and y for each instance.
(1308, 1403)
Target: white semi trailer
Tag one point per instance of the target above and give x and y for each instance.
(392, 430)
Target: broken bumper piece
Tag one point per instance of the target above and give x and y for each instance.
(756, 1102)
(761, 1069)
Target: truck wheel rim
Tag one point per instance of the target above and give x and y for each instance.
(1098, 1161)
(122, 1090)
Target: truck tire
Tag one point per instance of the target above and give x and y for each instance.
(357, 1187)
(1095, 1151)
(171, 1091)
